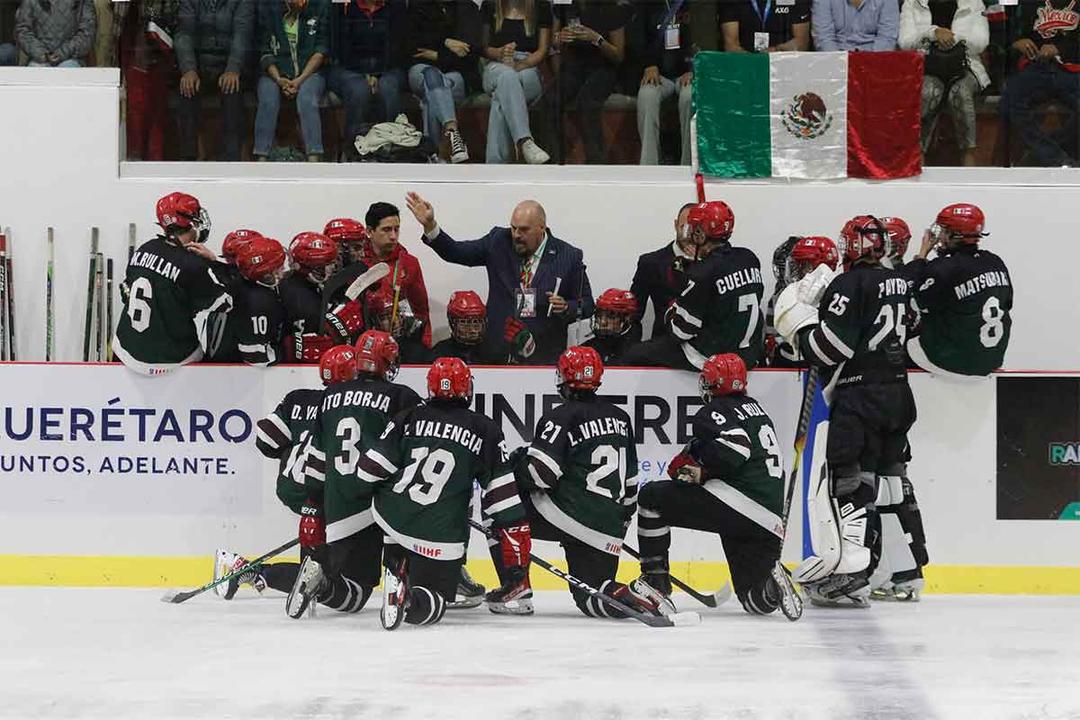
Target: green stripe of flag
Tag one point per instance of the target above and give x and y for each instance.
(731, 98)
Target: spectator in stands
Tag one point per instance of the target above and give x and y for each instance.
(146, 62)
(368, 59)
(667, 62)
(517, 39)
(590, 37)
(8, 54)
(855, 24)
(537, 284)
(55, 33)
(406, 280)
(445, 42)
(955, 75)
(105, 36)
(1049, 70)
(660, 274)
(765, 26)
(213, 43)
(294, 41)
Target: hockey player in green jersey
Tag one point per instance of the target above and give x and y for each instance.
(354, 412)
(728, 480)
(578, 480)
(421, 473)
(170, 292)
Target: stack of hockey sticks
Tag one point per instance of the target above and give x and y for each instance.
(97, 333)
(7, 299)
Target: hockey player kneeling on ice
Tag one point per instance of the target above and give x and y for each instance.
(964, 297)
(728, 480)
(421, 472)
(615, 325)
(356, 408)
(579, 484)
(170, 292)
(852, 328)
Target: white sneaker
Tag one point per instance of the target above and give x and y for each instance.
(459, 153)
(533, 153)
(308, 582)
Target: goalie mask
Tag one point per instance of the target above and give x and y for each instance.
(781, 259)
(863, 238)
(467, 317)
(616, 311)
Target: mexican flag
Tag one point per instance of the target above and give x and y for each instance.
(812, 115)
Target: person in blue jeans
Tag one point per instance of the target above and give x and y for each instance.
(1049, 70)
(367, 56)
(295, 42)
(445, 45)
(517, 39)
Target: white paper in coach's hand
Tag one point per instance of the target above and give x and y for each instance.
(579, 333)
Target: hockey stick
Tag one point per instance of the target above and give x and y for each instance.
(716, 599)
(88, 330)
(50, 311)
(131, 241)
(99, 306)
(12, 354)
(109, 329)
(801, 430)
(372, 275)
(676, 619)
(179, 596)
(4, 329)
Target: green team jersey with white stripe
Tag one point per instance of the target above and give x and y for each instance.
(422, 471)
(351, 418)
(719, 310)
(282, 436)
(168, 297)
(581, 469)
(736, 445)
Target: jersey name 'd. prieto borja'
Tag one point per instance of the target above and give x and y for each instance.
(358, 398)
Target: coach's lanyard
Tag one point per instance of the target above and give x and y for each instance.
(757, 11)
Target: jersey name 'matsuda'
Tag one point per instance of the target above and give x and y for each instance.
(992, 278)
(598, 428)
(738, 279)
(445, 431)
(358, 398)
(892, 286)
(155, 263)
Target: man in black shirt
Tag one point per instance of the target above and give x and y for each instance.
(765, 25)
(661, 274)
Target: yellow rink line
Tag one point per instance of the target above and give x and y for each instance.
(191, 572)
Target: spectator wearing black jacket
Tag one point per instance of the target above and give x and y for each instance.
(8, 54)
(1049, 70)
(214, 41)
(660, 274)
(667, 63)
(445, 43)
(368, 56)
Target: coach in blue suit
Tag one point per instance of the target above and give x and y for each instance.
(525, 263)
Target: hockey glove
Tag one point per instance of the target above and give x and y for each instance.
(813, 285)
(346, 321)
(517, 457)
(312, 526)
(308, 347)
(515, 542)
(792, 315)
(685, 468)
(519, 337)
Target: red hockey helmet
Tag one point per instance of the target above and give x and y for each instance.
(377, 354)
(350, 235)
(899, 235)
(710, 222)
(863, 236)
(262, 259)
(230, 246)
(579, 368)
(379, 308)
(177, 212)
(338, 364)
(315, 254)
(467, 317)
(722, 374)
(959, 223)
(615, 313)
(450, 379)
(809, 252)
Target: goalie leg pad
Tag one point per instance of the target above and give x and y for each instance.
(840, 526)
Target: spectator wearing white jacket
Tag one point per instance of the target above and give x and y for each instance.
(941, 24)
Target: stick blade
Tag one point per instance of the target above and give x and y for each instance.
(685, 619)
(722, 595)
(176, 596)
(368, 278)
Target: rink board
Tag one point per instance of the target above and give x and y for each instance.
(109, 478)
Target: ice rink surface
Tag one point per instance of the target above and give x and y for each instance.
(120, 653)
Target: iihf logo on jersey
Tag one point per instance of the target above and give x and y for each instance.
(807, 117)
(1065, 453)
